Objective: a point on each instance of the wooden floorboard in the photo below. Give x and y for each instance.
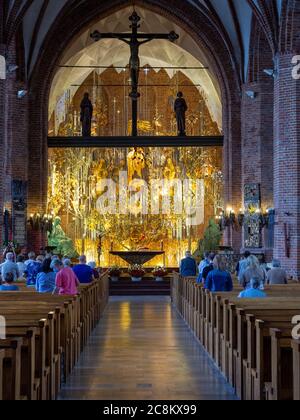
(143, 350)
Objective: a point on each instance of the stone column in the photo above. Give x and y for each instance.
(13, 143)
(232, 167)
(2, 141)
(287, 165)
(257, 142)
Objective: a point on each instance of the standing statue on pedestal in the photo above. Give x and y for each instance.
(180, 109)
(86, 115)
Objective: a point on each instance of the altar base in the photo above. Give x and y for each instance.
(147, 287)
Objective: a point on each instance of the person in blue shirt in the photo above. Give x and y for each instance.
(45, 281)
(83, 272)
(188, 266)
(206, 270)
(253, 292)
(8, 285)
(204, 263)
(31, 272)
(219, 280)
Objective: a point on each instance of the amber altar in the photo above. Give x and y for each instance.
(76, 188)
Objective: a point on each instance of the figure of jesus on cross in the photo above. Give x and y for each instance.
(134, 40)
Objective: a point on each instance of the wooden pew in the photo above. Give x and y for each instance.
(43, 332)
(2, 356)
(281, 385)
(11, 379)
(236, 332)
(259, 356)
(296, 369)
(241, 336)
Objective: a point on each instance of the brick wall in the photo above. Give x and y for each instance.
(287, 164)
(13, 138)
(2, 140)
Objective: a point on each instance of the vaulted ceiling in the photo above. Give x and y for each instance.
(232, 18)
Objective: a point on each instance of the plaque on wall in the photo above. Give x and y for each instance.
(19, 213)
(252, 195)
(252, 224)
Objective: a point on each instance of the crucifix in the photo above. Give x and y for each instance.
(134, 40)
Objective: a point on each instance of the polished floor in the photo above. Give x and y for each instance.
(142, 350)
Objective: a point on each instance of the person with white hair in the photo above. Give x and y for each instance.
(31, 258)
(277, 275)
(254, 270)
(93, 266)
(188, 266)
(253, 291)
(10, 266)
(67, 262)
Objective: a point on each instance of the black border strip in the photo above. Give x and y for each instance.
(102, 142)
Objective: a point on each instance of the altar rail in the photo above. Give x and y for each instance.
(250, 340)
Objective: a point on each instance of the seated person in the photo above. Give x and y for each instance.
(277, 275)
(33, 268)
(206, 270)
(253, 291)
(21, 265)
(8, 285)
(83, 272)
(188, 266)
(219, 280)
(9, 266)
(93, 266)
(253, 270)
(66, 281)
(45, 281)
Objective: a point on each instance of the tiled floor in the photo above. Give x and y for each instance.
(142, 350)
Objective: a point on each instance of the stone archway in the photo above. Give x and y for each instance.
(221, 63)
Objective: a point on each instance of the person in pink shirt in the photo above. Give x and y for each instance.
(66, 281)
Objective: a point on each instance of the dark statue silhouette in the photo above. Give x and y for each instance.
(86, 116)
(180, 108)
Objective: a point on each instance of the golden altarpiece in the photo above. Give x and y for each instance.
(76, 174)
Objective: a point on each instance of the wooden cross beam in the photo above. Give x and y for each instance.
(134, 40)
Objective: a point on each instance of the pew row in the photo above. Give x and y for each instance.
(250, 340)
(45, 335)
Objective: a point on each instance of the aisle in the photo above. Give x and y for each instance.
(142, 350)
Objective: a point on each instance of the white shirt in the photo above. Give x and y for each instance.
(203, 264)
(22, 267)
(28, 262)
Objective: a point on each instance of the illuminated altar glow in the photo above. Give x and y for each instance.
(75, 187)
(84, 52)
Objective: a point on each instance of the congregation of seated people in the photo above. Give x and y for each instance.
(46, 273)
(252, 274)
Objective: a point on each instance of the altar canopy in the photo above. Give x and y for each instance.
(133, 199)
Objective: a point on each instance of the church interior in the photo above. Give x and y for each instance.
(150, 192)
